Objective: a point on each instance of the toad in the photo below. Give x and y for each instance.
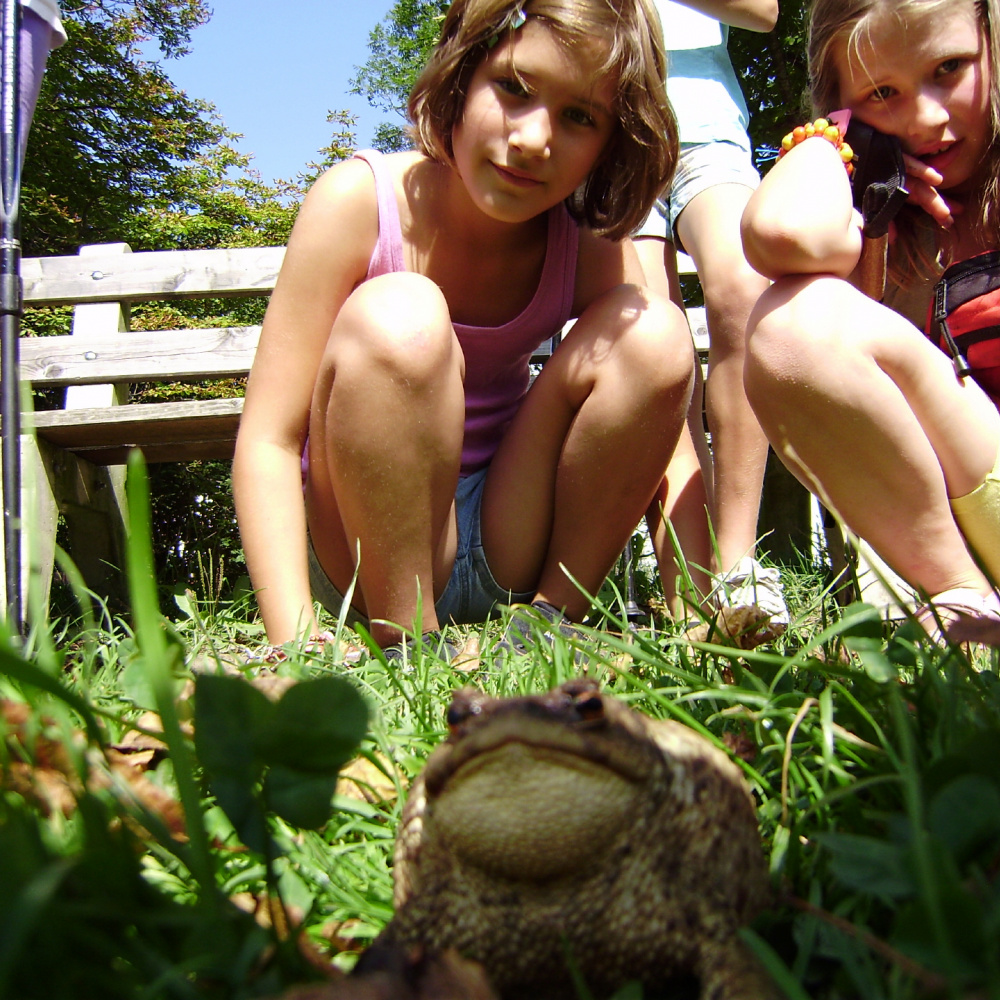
(566, 830)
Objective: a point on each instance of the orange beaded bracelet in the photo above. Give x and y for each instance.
(822, 128)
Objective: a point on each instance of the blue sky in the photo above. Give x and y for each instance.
(274, 75)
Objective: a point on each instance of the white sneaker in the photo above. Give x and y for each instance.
(748, 583)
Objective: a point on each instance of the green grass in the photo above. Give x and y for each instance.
(874, 758)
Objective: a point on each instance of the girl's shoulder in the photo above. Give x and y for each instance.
(352, 182)
(337, 223)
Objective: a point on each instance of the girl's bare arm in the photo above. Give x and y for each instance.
(755, 15)
(801, 219)
(327, 255)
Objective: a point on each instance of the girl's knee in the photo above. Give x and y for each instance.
(788, 330)
(399, 322)
(652, 336)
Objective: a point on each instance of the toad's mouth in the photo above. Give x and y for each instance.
(530, 811)
(602, 743)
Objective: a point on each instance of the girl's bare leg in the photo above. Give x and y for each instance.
(864, 409)
(683, 498)
(710, 229)
(585, 453)
(385, 446)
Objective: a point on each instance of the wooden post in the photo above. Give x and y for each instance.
(785, 516)
(91, 498)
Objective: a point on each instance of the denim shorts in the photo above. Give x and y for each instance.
(701, 165)
(471, 595)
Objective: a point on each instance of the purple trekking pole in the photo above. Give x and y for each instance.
(11, 308)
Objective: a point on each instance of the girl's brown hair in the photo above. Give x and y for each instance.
(835, 23)
(641, 154)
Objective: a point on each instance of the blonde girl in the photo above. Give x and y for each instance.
(859, 403)
(416, 287)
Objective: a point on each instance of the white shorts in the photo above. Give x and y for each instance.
(701, 165)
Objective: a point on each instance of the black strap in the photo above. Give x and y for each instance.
(879, 179)
(962, 369)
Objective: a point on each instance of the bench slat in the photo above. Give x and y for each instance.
(166, 432)
(160, 356)
(143, 277)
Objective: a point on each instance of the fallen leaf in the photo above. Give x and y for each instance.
(745, 627)
(466, 660)
(51, 791)
(340, 934)
(147, 793)
(273, 685)
(741, 745)
(362, 780)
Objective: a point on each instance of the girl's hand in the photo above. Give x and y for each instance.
(802, 220)
(922, 182)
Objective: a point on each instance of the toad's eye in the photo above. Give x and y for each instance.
(460, 710)
(589, 706)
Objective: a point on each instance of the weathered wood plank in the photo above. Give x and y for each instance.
(175, 431)
(142, 277)
(154, 356)
(220, 449)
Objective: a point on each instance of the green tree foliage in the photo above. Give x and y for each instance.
(399, 47)
(111, 133)
(772, 71)
(119, 154)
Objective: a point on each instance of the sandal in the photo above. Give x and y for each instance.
(532, 624)
(962, 615)
(432, 643)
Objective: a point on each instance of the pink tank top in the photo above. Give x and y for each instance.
(496, 357)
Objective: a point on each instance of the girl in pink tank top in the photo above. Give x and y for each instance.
(416, 287)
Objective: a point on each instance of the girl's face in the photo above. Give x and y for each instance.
(925, 80)
(537, 118)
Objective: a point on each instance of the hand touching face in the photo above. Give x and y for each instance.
(926, 81)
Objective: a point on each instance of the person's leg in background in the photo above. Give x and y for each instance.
(710, 191)
(683, 499)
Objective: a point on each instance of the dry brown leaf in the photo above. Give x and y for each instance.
(741, 745)
(273, 685)
(151, 723)
(51, 790)
(141, 749)
(39, 768)
(340, 934)
(744, 627)
(136, 742)
(362, 780)
(245, 901)
(466, 660)
(147, 793)
(15, 713)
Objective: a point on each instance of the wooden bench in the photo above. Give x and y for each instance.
(72, 457)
